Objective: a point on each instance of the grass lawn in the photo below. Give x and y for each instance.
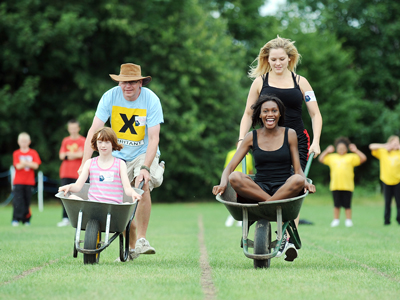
(334, 263)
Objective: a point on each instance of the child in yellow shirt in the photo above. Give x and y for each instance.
(342, 166)
(389, 161)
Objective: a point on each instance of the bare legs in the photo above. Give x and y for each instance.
(249, 190)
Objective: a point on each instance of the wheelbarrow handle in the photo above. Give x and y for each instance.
(310, 159)
(141, 184)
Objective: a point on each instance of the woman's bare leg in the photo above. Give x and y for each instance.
(247, 188)
(291, 188)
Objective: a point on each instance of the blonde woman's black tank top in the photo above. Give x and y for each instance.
(292, 98)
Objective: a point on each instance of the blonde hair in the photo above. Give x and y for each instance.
(24, 135)
(263, 66)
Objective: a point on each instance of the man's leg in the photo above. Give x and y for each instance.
(141, 222)
(143, 213)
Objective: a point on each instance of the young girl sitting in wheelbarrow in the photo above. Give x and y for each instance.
(108, 174)
(275, 154)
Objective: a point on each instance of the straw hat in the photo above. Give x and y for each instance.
(130, 72)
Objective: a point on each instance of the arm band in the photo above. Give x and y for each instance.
(309, 96)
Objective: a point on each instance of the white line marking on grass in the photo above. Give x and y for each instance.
(206, 278)
(28, 272)
(369, 268)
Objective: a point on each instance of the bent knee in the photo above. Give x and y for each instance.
(298, 181)
(235, 178)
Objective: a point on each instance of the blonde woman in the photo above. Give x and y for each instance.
(275, 75)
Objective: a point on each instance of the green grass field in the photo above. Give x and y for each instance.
(335, 263)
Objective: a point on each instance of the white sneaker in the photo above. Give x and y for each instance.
(15, 223)
(64, 222)
(132, 255)
(335, 222)
(291, 252)
(142, 246)
(229, 222)
(348, 223)
(284, 245)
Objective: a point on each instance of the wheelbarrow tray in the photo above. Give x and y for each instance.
(262, 210)
(120, 212)
(283, 212)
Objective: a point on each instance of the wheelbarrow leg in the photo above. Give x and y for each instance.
(123, 253)
(279, 223)
(77, 234)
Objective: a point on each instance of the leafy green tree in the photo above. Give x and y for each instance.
(57, 57)
(371, 29)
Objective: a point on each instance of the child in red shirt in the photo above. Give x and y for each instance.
(71, 153)
(25, 161)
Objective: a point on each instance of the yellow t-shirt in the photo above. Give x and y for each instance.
(389, 164)
(249, 162)
(342, 170)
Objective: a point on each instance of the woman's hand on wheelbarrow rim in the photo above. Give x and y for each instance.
(309, 187)
(218, 190)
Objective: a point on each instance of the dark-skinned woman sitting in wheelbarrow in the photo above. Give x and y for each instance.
(276, 157)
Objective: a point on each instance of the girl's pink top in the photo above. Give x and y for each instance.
(105, 184)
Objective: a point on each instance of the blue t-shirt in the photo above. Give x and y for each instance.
(131, 119)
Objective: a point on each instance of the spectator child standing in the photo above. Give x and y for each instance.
(71, 153)
(389, 161)
(342, 166)
(25, 161)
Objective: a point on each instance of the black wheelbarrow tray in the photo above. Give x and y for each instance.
(283, 212)
(97, 217)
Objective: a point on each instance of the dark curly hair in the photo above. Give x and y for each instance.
(106, 134)
(342, 140)
(257, 109)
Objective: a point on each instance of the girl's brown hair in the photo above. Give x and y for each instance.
(106, 134)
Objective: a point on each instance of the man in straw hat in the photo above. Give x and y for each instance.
(135, 115)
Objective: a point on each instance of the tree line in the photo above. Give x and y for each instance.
(56, 57)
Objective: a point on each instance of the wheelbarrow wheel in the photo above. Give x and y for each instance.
(262, 241)
(92, 241)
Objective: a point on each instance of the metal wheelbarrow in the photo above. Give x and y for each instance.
(283, 212)
(95, 217)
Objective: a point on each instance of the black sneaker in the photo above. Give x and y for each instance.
(284, 245)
